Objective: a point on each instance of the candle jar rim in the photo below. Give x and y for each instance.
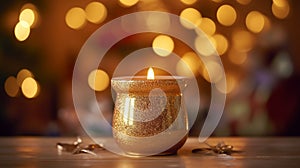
(158, 77)
(170, 84)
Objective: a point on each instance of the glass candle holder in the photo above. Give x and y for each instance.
(149, 115)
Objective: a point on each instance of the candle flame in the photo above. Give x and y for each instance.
(150, 74)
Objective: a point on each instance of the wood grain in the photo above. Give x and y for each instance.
(254, 152)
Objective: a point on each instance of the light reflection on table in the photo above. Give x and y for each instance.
(263, 152)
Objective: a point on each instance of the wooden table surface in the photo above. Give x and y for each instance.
(256, 152)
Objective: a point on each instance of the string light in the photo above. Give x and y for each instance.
(221, 43)
(163, 45)
(75, 18)
(280, 3)
(188, 65)
(29, 13)
(22, 30)
(212, 72)
(30, 87)
(23, 74)
(98, 80)
(190, 18)
(226, 15)
(243, 2)
(25, 80)
(230, 84)
(158, 22)
(27, 19)
(206, 25)
(96, 12)
(237, 57)
(28, 16)
(255, 21)
(128, 3)
(217, 1)
(204, 46)
(188, 2)
(280, 8)
(11, 86)
(242, 40)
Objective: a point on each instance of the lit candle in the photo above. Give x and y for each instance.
(150, 74)
(149, 116)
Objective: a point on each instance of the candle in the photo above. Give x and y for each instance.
(150, 74)
(149, 115)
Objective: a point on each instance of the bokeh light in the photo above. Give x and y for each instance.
(163, 45)
(75, 18)
(280, 8)
(22, 30)
(282, 65)
(29, 13)
(30, 87)
(207, 25)
(28, 16)
(96, 12)
(245, 33)
(255, 21)
(243, 2)
(128, 3)
(157, 22)
(23, 74)
(237, 57)
(204, 46)
(212, 72)
(280, 3)
(221, 43)
(11, 86)
(217, 1)
(231, 82)
(189, 65)
(226, 15)
(190, 18)
(242, 40)
(267, 24)
(98, 80)
(188, 2)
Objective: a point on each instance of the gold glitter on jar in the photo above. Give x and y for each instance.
(149, 116)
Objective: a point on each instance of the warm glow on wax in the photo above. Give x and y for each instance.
(150, 74)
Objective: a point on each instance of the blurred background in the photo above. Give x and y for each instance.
(258, 42)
